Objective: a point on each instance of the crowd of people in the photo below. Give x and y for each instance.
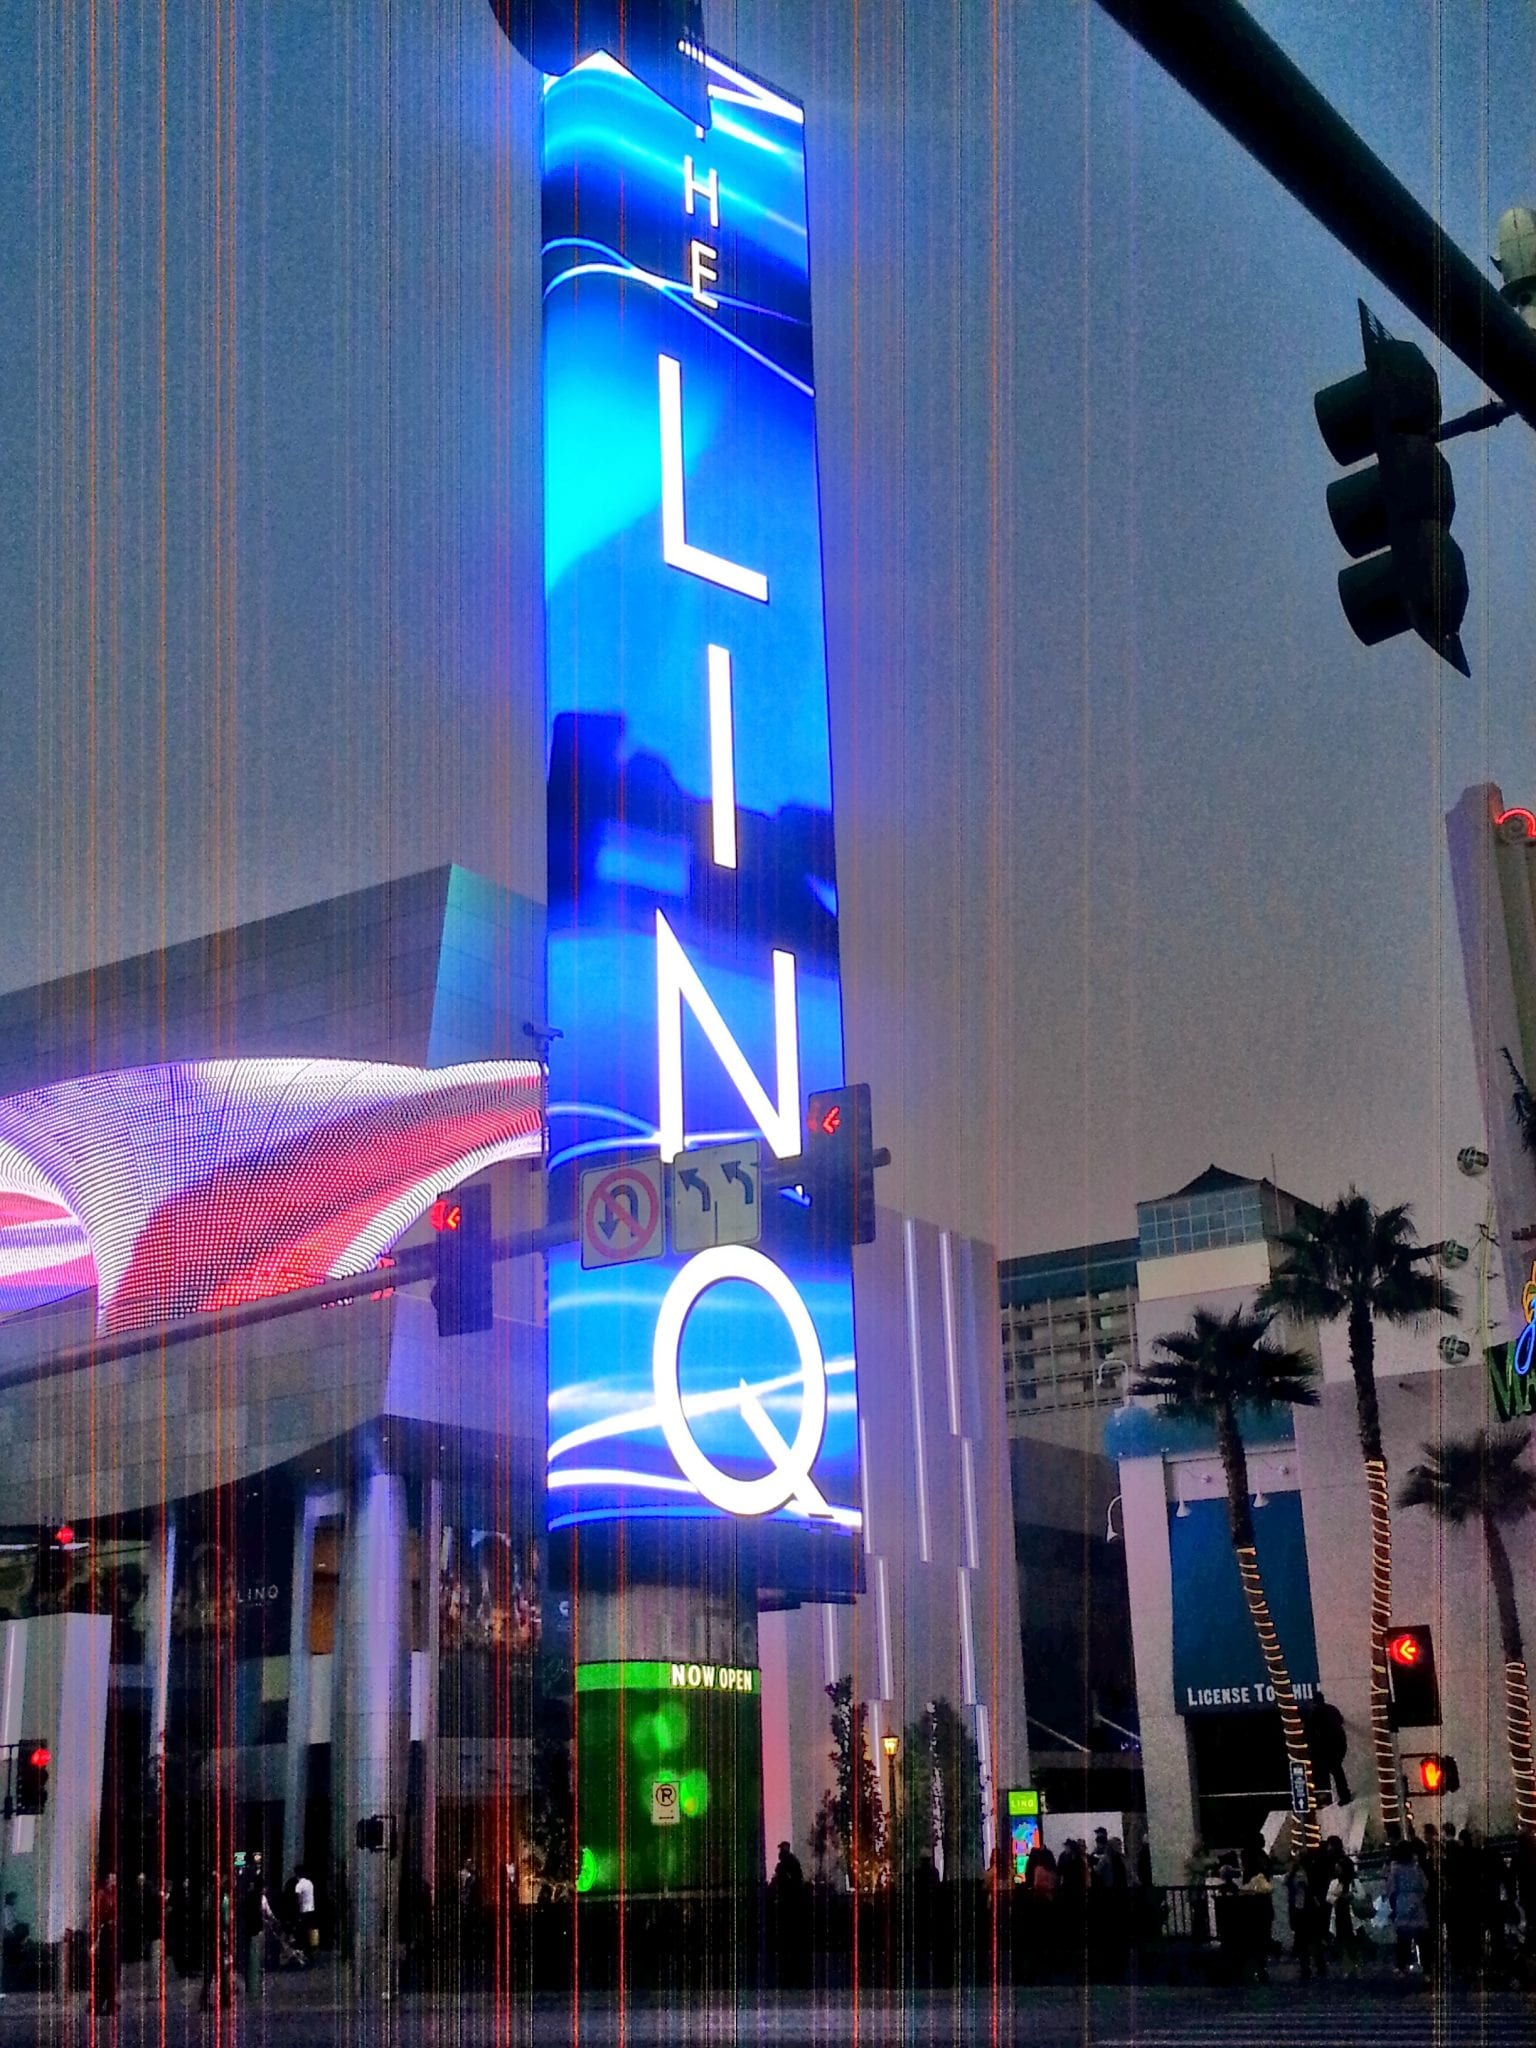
(223, 1930)
(1446, 1905)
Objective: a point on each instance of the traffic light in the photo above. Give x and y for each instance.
(32, 1761)
(1438, 1775)
(1412, 1683)
(376, 1833)
(462, 1293)
(838, 1165)
(1395, 513)
(51, 1572)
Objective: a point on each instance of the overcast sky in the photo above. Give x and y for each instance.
(1143, 856)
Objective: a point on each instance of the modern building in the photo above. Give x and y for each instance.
(1214, 1764)
(271, 1585)
(1069, 1337)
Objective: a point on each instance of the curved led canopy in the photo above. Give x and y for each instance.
(181, 1188)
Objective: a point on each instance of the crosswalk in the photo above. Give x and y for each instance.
(1416, 2019)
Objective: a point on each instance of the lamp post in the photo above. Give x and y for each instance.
(890, 1744)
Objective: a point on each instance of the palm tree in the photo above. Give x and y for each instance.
(1522, 1102)
(1484, 1479)
(1208, 1371)
(1362, 1264)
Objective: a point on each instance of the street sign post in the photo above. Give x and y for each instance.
(1299, 1800)
(717, 1196)
(623, 1213)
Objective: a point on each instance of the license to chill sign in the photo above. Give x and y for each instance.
(693, 944)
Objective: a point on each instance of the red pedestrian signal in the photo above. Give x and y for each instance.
(32, 1761)
(1438, 1775)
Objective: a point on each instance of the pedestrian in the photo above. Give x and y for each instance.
(1259, 1903)
(1460, 1894)
(1523, 1879)
(1407, 1896)
(104, 1952)
(1308, 1912)
(789, 1912)
(304, 1909)
(1328, 1741)
(250, 1898)
(218, 1946)
(1340, 1909)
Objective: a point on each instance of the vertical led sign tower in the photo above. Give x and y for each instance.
(693, 942)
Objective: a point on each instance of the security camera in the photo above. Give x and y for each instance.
(1515, 260)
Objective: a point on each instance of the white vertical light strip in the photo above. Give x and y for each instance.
(947, 1288)
(967, 1640)
(865, 1515)
(883, 1625)
(677, 551)
(968, 1490)
(722, 757)
(988, 1792)
(915, 1362)
(829, 1659)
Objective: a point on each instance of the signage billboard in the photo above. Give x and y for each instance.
(693, 909)
(1217, 1664)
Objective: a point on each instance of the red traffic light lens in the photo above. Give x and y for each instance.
(1406, 1648)
(63, 1534)
(446, 1215)
(832, 1122)
(1431, 1773)
(40, 1758)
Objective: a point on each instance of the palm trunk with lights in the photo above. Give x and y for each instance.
(1362, 1360)
(1234, 1465)
(1517, 1689)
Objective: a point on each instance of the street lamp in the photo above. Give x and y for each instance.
(890, 1744)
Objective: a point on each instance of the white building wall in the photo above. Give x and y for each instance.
(939, 1613)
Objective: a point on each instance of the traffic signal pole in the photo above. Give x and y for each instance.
(1223, 59)
(408, 1267)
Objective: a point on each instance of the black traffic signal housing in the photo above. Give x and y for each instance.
(1413, 1685)
(32, 1760)
(556, 35)
(51, 1572)
(376, 1834)
(1438, 1775)
(1395, 513)
(462, 1292)
(838, 1164)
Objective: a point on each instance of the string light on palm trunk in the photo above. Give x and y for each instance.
(1388, 1787)
(1517, 1707)
(1308, 1832)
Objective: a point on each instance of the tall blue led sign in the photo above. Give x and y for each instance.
(693, 941)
